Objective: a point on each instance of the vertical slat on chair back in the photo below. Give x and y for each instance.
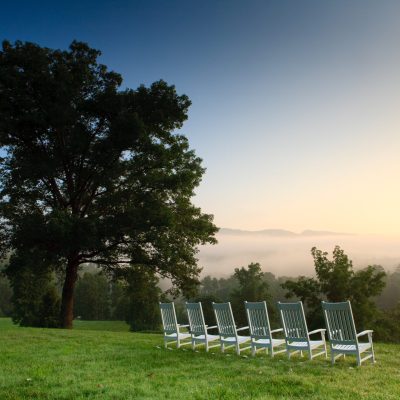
(257, 316)
(339, 322)
(196, 318)
(225, 321)
(293, 321)
(168, 317)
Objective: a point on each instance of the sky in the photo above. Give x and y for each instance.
(295, 104)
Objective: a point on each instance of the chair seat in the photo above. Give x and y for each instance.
(210, 338)
(267, 342)
(232, 339)
(304, 345)
(174, 336)
(351, 348)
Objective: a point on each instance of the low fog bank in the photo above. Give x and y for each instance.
(291, 255)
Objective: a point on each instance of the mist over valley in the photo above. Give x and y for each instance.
(285, 253)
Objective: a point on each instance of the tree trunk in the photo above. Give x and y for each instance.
(67, 301)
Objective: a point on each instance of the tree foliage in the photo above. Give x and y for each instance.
(5, 297)
(143, 296)
(35, 296)
(92, 297)
(251, 287)
(390, 296)
(337, 281)
(93, 173)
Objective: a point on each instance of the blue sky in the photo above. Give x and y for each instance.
(295, 103)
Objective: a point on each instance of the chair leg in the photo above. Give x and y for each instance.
(206, 344)
(253, 350)
(332, 357)
(193, 345)
(372, 352)
(359, 360)
(238, 349)
(222, 347)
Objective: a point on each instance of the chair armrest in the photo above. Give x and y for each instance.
(277, 330)
(242, 329)
(212, 327)
(317, 330)
(364, 333)
(182, 326)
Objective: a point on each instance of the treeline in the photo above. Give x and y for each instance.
(374, 294)
(133, 298)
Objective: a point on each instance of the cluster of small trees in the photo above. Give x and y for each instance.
(134, 300)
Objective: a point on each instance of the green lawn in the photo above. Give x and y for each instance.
(87, 363)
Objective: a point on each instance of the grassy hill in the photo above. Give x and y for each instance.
(102, 360)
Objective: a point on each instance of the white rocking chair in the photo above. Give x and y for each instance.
(297, 336)
(343, 337)
(260, 330)
(228, 333)
(198, 328)
(171, 327)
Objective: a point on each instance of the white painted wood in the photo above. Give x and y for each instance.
(198, 328)
(260, 330)
(228, 333)
(297, 336)
(172, 330)
(343, 337)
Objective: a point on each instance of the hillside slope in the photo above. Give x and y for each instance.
(81, 364)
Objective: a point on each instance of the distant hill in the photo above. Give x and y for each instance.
(265, 232)
(309, 232)
(278, 233)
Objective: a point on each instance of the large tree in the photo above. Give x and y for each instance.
(93, 173)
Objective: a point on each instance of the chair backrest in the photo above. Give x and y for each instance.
(339, 322)
(225, 321)
(257, 316)
(293, 321)
(168, 317)
(196, 319)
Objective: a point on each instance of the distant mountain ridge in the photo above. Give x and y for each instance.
(280, 233)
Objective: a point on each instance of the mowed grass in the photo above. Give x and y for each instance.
(110, 326)
(86, 363)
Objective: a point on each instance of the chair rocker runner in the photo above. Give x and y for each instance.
(198, 328)
(260, 329)
(343, 337)
(228, 333)
(297, 336)
(171, 327)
